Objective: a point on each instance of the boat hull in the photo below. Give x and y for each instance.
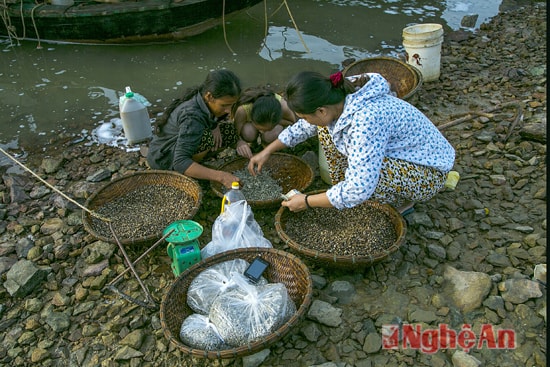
(119, 22)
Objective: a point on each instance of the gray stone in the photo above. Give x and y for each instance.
(419, 315)
(373, 343)
(311, 331)
(325, 313)
(462, 359)
(99, 175)
(6, 263)
(494, 303)
(319, 282)
(51, 164)
(437, 252)
(23, 247)
(343, 290)
(467, 289)
(23, 277)
(519, 290)
(419, 219)
(256, 359)
(126, 353)
(58, 321)
(498, 260)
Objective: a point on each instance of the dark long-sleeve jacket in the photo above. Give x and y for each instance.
(179, 139)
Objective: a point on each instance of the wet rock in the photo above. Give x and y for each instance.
(519, 290)
(467, 289)
(373, 343)
(6, 263)
(342, 290)
(51, 164)
(535, 132)
(256, 359)
(539, 273)
(469, 21)
(23, 277)
(325, 313)
(99, 175)
(462, 359)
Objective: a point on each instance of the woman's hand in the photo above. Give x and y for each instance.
(227, 179)
(216, 133)
(296, 203)
(256, 162)
(243, 149)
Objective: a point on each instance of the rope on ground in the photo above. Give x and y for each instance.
(518, 116)
(92, 213)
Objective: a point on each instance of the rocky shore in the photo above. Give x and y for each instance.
(474, 260)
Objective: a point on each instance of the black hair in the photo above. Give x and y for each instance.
(266, 108)
(309, 90)
(219, 83)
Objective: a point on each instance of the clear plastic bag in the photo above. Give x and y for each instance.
(235, 228)
(246, 313)
(211, 282)
(198, 332)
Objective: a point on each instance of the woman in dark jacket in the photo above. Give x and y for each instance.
(190, 128)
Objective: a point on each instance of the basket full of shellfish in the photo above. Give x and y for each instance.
(348, 238)
(137, 207)
(282, 172)
(210, 312)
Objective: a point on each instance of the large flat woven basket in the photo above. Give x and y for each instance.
(404, 79)
(184, 206)
(343, 261)
(290, 172)
(284, 268)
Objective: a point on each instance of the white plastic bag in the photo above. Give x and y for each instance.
(235, 228)
(211, 282)
(246, 313)
(198, 332)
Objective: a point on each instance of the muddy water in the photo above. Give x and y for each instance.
(48, 88)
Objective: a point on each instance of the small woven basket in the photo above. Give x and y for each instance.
(283, 268)
(129, 183)
(404, 79)
(290, 172)
(343, 261)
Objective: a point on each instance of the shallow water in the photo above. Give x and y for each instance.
(49, 88)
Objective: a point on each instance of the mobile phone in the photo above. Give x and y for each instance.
(255, 270)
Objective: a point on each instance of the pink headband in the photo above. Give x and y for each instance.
(337, 79)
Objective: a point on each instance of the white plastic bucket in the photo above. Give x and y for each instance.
(422, 44)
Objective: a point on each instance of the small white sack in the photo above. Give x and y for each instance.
(246, 313)
(198, 332)
(211, 282)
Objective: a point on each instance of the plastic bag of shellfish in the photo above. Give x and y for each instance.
(248, 312)
(198, 332)
(213, 281)
(235, 228)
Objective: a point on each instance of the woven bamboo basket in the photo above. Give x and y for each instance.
(404, 79)
(129, 183)
(284, 268)
(290, 172)
(343, 261)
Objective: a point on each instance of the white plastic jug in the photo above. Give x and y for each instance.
(135, 119)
